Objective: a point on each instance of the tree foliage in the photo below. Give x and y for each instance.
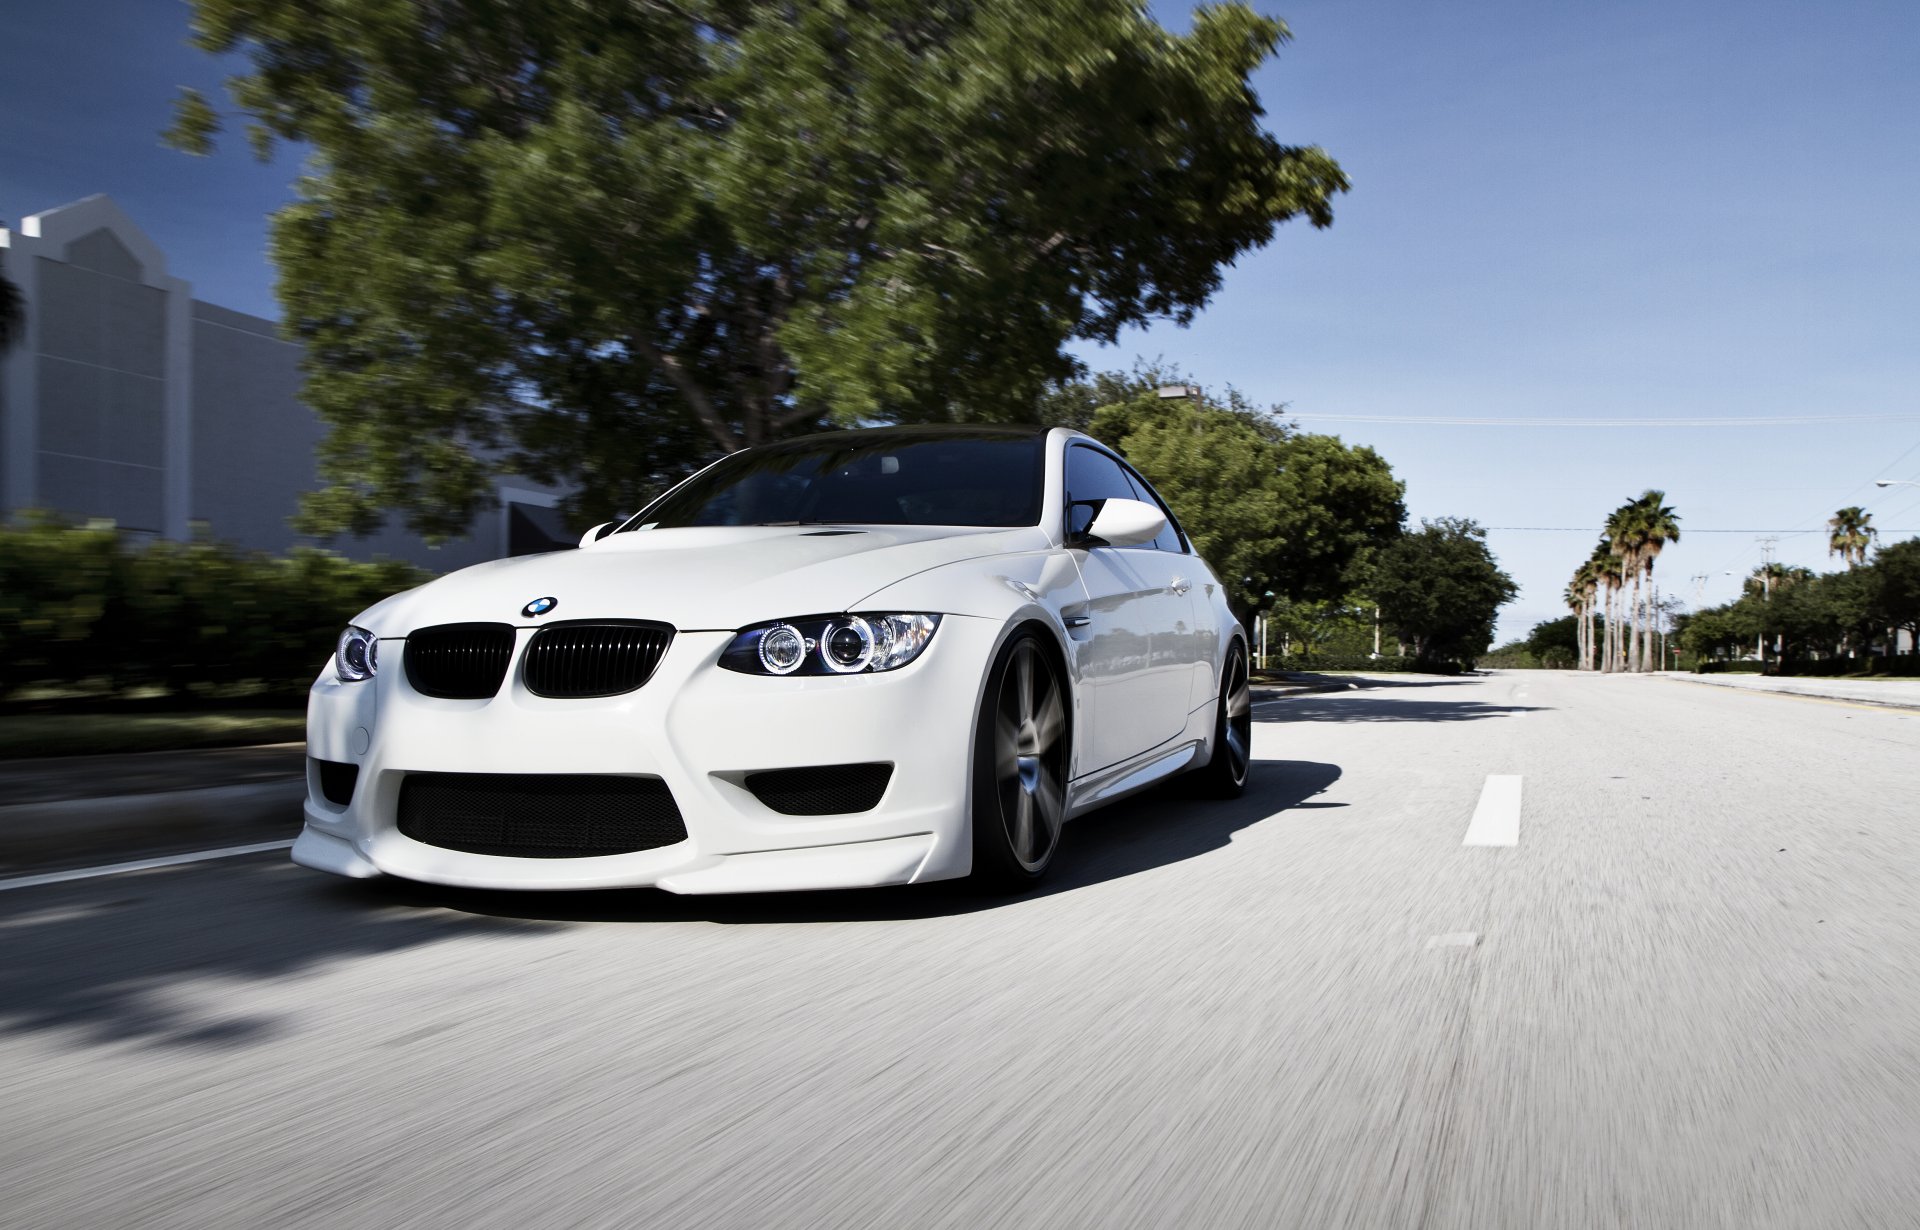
(13, 311)
(593, 242)
(1273, 510)
(1555, 644)
(1440, 589)
(1815, 616)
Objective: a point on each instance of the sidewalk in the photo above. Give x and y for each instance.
(80, 809)
(1893, 693)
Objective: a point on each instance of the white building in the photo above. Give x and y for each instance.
(131, 400)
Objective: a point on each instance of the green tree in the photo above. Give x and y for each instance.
(1271, 509)
(1439, 589)
(1320, 628)
(1555, 644)
(1722, 631)
(1896, 590)
(592, 242)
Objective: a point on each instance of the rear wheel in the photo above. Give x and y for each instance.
(1019, 767)
(1225, 776)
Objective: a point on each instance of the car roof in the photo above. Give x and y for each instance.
(868, 436)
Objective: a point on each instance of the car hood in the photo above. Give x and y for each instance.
(720, 577)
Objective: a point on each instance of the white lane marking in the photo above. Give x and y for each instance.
(1454, 939)
(1496, 820)
(145, 864)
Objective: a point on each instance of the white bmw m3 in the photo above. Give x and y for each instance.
(862, 658)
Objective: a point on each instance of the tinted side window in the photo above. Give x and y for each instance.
(1169, 539)
(1092, 475)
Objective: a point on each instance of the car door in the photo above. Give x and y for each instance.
(1133, 660)
(1195, 649)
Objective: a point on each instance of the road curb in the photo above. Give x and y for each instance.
(35, 834)
(1268, 692)
(1910, 705)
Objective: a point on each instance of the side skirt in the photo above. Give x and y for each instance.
(1112, 784)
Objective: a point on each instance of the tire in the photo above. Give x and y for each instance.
(1225, 776)
(1020, 764)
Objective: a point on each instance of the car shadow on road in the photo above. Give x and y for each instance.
(1360, 707)
(106, 962)
(1151, 830)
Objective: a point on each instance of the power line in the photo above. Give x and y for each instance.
(1581, 529)
(1792, 420)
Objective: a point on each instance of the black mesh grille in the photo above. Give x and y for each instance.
(825, 790)
(459, 661)
(539, 815)
(583, 658)
(337, 780)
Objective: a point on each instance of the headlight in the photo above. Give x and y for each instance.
(357, 656)
(830, 644)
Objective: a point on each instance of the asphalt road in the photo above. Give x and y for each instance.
(1687, 996)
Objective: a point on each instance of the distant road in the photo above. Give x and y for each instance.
(1533, 950)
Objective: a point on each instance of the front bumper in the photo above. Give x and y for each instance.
(701, 730)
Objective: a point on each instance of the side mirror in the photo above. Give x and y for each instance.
(1124, 523)
(597, 533)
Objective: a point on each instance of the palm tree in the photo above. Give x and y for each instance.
(1577, 603)
(1850, 533)
(1626, 528)
(1585, 588)
(1607, 573)
(1659, 525)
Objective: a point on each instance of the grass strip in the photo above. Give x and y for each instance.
(86, 734)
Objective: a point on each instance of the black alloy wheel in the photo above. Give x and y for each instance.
(1225, 776)
(1020, 767)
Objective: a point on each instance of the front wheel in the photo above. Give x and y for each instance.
(1225, 776)
(1019, 768)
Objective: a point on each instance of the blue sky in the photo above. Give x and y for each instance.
(1682, 210)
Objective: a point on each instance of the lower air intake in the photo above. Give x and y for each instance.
(539, 815)
(824, 790)
(337, 780)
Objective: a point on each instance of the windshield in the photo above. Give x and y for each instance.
(865, 478)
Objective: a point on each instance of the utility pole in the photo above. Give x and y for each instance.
(1767, 545)
(1657, 620)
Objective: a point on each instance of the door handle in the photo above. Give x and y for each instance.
(1180, 585)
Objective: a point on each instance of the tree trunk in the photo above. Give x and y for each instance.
(1636, 656)
(1606, 630)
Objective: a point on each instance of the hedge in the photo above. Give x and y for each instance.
(1359, 662)
(90, 608)
(1905, 666)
